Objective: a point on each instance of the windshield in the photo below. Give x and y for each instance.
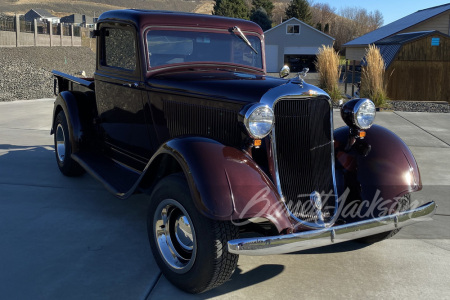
(167, 47)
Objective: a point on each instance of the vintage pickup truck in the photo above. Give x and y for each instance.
(235, 162)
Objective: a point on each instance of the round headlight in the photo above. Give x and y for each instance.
(358, 113)
(259, 121)
(364, 114)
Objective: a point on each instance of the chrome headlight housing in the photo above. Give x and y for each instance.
(359, 113)
(259, 121)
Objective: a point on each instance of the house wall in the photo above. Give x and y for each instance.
(422, 50)
(277, 38)
(421, 72)
(355, 53)
(31, 15)
(440, 23)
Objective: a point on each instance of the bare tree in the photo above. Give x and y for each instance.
(376, 20)
(323, 15)
(278, 12)
(355, 22)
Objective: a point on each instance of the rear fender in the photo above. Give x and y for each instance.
(388, 172)
(225, 183)
(79, 109)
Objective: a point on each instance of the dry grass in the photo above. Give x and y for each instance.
(372, 78)
(327, 65)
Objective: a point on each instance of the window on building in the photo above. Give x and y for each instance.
(293, 29)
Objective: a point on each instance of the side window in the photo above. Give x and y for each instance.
(119, 49)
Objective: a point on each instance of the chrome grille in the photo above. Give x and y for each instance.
(304, 154)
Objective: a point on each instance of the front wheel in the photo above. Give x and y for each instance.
(190, 249)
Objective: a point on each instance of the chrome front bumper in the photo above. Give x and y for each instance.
(327, 236)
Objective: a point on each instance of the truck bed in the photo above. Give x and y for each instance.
(66, 82)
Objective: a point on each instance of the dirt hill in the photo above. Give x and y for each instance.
(95, 8)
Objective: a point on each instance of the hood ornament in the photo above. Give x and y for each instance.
(301, 75)
(316, 202)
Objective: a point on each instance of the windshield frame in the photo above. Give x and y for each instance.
(202, 64)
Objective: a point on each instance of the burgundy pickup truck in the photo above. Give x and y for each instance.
(235, 162)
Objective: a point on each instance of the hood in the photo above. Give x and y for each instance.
(224, 85)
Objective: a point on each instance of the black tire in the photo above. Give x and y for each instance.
(63, 148)
(200, 259)
(403, 205)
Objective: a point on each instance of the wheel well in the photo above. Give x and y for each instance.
(57, 110)
(162, 166)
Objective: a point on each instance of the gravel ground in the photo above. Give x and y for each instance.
(25, 73)
(421, 106)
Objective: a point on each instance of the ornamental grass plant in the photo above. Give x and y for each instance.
(373, 84)
(327, 66)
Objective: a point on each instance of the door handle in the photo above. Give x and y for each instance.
(131, 85)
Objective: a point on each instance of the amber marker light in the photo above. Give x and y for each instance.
(362, 134)
(257, 143)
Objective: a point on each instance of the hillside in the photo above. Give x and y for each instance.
(91, 8)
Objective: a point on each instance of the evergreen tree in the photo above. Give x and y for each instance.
(260, 17)
(299, 9)
(267, 5)
(231, 8)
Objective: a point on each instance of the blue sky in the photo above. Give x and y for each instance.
(392, 10)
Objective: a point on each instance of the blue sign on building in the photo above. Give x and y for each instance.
(434, 41)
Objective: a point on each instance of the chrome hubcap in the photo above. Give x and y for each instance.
(60, 143)
(183, 233)
(175, 235)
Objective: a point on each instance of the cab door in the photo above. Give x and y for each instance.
(120, 93)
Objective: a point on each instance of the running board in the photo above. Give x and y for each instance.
(117, 179)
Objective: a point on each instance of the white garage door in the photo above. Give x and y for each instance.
(301, 50)
(272, 58)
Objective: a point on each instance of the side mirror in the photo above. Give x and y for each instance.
(285, 71)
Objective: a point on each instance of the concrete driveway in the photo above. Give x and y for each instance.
(67, 238)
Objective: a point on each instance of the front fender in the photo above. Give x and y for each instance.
(226, 184)
(389, 170)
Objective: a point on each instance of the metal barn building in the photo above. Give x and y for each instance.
(433, 18)
(417, 65)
